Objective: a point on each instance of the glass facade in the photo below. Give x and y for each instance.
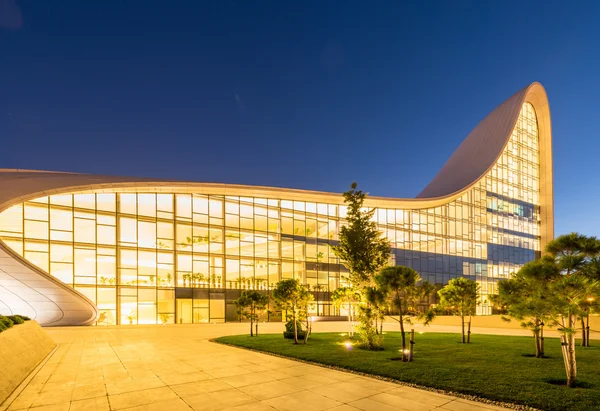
(147, 258)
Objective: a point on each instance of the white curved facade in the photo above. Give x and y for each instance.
(76, 248)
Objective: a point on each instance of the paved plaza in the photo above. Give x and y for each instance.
(176, 367)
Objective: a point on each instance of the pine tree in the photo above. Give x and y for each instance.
(364, 251)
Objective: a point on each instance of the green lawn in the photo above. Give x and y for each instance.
(495, 367)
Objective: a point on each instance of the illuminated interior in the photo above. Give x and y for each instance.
(160, 257)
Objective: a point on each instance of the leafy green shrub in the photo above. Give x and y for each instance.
(289, 330)
(6, 322)
(10, 320)
(16, 319)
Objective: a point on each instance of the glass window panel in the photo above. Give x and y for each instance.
(106, 202)
(62, 271)
(183, 234)
(184, 262)
(232, 208)
(216, 208)
(146, 234)
(85, 201)
(146, 262)
(85, 262)
(260, 223)
(107, 268)
(61, 219)
(106, 219)
(127, 230)
(184, 205)
(38, 258)
(164, 202)
(11, 220)
(128, 203)
(36, 229)
(64, 200)
(147, 205)
(107, 235)
(60, 253)
(246, 211)
(36, 212)
(85, 231)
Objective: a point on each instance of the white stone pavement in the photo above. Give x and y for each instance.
(176, 367)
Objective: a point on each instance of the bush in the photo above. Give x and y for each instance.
(10, 320)
(6, 322)
(290, 335)
(289, 330)
(16, 319)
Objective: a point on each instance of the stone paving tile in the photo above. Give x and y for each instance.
(91, 404)
(199, 387)
(303, 400)
(136, 398)
(401, 402)
(219, 400)
(345, 391)
(423, 396)
(83, 392)
(269, 390)
(169, 405)
(176, 368)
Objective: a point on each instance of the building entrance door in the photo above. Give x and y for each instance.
(184, 311)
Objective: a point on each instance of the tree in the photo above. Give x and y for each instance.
(377, 300)
(364, 251)
(290, 295)
(573, 254)
(526, 297)
(404, 289)
(348, 297)
(460, 296)
(249, 305)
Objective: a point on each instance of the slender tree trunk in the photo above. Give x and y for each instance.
(251, 322)
(462, 321)
(381, 326)
(469, 330)
(412, 344)
(542, 340)
(583, 333)
(350, 331)
(568, 346)
(587, 329)
(538, 349)
(307, 332)
(404, 358)
(295, 325)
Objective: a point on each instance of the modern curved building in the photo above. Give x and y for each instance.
(79, 249)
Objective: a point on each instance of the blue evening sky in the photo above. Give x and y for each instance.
(302, 94)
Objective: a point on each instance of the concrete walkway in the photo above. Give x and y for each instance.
(176, 368)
